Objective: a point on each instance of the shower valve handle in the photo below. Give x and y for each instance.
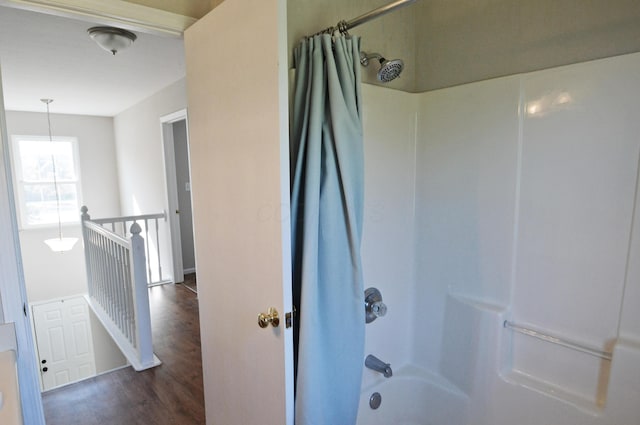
(373, 305)
(379, 309)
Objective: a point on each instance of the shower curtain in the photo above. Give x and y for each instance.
(327, 206)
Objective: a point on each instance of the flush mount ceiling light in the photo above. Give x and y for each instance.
(112, 39)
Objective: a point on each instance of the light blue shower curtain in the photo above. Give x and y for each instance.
(327, 205)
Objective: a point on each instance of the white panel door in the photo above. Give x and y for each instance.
(65, 346)
(237, 89)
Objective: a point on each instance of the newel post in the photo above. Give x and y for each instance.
(141, 297)
(84, 217)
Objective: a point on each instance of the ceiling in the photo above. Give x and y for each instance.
(46, 56)
(444, 43)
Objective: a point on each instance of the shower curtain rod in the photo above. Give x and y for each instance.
(344, 26)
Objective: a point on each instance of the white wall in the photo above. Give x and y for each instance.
(465, 193)
(526, 191)
(106, 353)
(527, 209)
(578, 180)
(138, 139)
(387, 245)
(630, 318)
(49, 275)
(140, 159)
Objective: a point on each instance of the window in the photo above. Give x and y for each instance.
(35, 189)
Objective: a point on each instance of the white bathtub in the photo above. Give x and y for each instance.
(478, 383)
(413, 397)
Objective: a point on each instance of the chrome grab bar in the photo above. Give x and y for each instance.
(606, 355)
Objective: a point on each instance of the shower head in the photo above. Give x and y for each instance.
(389, 69)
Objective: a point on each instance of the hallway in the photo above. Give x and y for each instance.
(169, 394)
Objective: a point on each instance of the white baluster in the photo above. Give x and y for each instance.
(158, 247)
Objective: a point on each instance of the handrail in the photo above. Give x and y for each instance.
(606, 355)
(151, 233)
(106, 232)
(122, 219)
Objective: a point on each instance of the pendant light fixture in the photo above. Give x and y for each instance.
(59, 244)
(112, 39)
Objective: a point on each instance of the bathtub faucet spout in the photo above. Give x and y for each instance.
(374, 363)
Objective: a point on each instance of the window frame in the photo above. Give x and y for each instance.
(19, 183)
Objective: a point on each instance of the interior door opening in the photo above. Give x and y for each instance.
(178, 177)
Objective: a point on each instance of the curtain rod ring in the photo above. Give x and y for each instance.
(343, 27)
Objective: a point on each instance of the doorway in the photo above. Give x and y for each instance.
(178, 177)
(37, 264)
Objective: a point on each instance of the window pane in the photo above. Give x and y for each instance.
(41, 206)
(36, 155)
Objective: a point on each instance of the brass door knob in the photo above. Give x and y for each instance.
(271, 316)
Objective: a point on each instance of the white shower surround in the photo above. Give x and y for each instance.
(512, 198)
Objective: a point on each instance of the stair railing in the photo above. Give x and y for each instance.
(150, 224)
(118, 288)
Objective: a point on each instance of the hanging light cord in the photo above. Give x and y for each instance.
(53, 166)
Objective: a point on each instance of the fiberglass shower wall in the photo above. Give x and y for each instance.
(510, 198)
(389, 118)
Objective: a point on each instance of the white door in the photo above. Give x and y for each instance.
(64, 342)
(237, 89)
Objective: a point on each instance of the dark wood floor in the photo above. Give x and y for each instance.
(190, 282)
(171, 393)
